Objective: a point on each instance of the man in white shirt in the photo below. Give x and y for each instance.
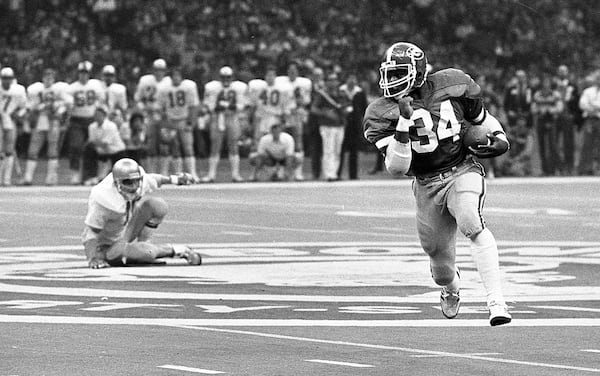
(104, 147)
(122, 216)
(275, 149)
(589, 102)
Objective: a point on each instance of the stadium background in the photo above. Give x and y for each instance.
(488, 39)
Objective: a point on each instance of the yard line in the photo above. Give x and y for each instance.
(592, 350)
(396, 348)
(190, 369)
(347, 364)
(567, 308)
(440, 356)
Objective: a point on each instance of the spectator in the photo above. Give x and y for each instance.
(546, 106)
(517, 98)
(314, 144)
(133, 134)
(275, 149)
(519, 161)
(567, 119)
(103, 149)
(329, 115)
(590, 105)
(356, 103)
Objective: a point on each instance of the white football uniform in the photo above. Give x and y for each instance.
(12, 101)
(49, 102)
(146, 92)
(272, 104)
(177, 102)
(86, 97)
(116, 97)
(302, 88)
(109, 212)
(226, 102)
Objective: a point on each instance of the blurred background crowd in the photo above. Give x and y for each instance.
(534, 59)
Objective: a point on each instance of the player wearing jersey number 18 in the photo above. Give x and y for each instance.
(418, 125)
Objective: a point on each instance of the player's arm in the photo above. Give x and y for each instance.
(182, 178)
(477, 114)
(195, 104)
(398, 156)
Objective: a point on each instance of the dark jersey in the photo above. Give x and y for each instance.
(441, 106)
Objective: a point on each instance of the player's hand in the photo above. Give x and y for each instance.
(183, 178)
(495, 147)
(405, 107)
(96, 263)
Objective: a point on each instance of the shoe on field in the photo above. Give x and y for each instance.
(499, 314)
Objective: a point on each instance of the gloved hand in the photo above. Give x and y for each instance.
(183, 178)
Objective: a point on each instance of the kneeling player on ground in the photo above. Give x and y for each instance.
(122, 214)
(275, 149)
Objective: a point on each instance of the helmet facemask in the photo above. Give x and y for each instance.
(396, 79)
(129, 188)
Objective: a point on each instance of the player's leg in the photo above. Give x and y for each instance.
(186, 141)
(465, 202)
(147, 214)
(338, 142)
(9, 156)
(437, 233)
(152, 144)
(234, 132)
(257, 162)
(52, 151)
(35, 145)
(296, 131)
(217, 133)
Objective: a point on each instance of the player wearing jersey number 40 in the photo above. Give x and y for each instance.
(418, 124)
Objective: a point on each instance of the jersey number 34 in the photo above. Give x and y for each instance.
(427, 129)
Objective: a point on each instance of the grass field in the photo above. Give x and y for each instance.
(301, 279)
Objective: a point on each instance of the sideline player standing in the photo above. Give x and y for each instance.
(13, 107)
(122, 214)
(179, 102)
(115, 95)
(48, 102)
(225, 99)
(146, 101)
(298, 117)
(418, 126)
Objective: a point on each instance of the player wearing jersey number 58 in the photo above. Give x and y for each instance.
(418, 124)
(122, 212)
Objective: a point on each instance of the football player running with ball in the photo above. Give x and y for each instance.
(122, 214)
(418, 125)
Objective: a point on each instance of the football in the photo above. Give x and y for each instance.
(476, 135)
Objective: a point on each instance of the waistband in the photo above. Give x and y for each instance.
(446, 173)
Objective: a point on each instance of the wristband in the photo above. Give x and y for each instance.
(401, 134)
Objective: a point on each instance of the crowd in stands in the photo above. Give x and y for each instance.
(513, 49)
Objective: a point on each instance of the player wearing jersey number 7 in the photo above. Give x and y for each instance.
(418, 126)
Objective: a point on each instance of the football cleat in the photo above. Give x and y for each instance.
(185, 252)
(207, 179)
(450, 303)
(499, 314)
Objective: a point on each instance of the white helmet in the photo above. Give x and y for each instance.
(127, 176)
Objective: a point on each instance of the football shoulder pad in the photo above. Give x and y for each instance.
(453, 83)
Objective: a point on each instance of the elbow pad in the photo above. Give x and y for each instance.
(398, 158)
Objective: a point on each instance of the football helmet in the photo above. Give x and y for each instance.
(404, 68)
(127, 176)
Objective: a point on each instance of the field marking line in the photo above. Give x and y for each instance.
(190, 369)
(395, 348)
(298, 323)
(404, 182)
(591, 350)
(336, 363)
(567, 308)
(506, 244)
(441, 356)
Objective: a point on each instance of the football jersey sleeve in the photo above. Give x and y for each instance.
(379, 122)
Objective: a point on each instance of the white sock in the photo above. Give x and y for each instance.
(30, 166)
(485, 254)
(213, 163)
(234, 160)
(453, 286)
